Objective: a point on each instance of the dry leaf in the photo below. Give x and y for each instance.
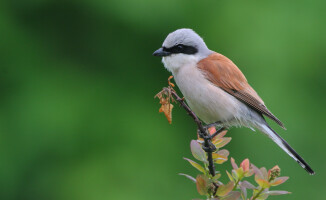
(165, 100)
(170, 84)
(167, 110)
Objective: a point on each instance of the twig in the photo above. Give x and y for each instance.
(203, 133)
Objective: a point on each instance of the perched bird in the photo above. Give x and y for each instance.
(215, 88)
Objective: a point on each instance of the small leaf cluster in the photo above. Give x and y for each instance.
(237, 186)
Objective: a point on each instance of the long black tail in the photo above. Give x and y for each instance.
(287, 148)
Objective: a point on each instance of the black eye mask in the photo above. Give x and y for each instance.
(180, 48)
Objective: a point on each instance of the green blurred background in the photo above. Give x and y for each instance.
(77, 81)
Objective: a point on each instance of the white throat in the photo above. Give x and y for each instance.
(176, 61)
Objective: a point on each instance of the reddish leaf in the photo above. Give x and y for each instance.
(234, 195)
(234, 165)
(250, 172)
(243, 191)
(220, 135)
(247, 185)
(277, 192)
(245, 165)
(223, 190)
(279, 180)
(258, 173)
(224, 152)
(264, 172)
(202, 184)
(212, 130)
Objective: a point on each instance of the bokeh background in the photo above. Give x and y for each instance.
(77, 79)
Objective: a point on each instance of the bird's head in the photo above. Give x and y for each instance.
(182, 47)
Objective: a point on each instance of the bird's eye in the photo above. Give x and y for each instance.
(180, 46)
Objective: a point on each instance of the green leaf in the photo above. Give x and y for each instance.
(235, 175)
(202, 183)
(263, 183)
(230, 176)
(223, 190)
(189, 177)
(222, 142)
(196, 165)
(216, 177)
(262, 196)
(197, 151)
(240, 173)
(219, 159)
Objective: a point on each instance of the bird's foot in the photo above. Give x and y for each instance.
(208, 135)
(210, 147)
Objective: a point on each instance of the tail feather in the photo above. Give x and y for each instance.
(287, 148)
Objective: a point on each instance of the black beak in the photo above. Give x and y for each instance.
(161, 53)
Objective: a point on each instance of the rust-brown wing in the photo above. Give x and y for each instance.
(223, 73)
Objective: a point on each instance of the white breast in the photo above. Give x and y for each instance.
(209, 102)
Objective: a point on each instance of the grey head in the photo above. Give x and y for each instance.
(184, 41)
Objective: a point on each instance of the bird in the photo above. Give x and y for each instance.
(215, 88)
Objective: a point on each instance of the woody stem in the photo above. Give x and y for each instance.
(203, 133)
